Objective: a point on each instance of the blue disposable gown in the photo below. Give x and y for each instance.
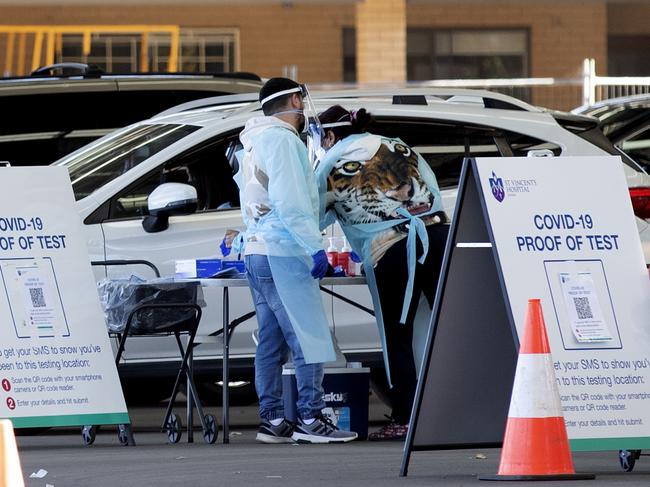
(288, 225)
(361, 148)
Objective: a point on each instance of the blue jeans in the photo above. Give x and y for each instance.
(276, 340)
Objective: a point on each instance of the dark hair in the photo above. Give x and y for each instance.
(272, 86)
(360, 119)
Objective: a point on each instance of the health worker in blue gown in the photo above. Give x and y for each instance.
(285, 259)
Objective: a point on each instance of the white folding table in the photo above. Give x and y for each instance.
(228, 326)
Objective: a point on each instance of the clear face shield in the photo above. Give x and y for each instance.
(312, 127)
(314, 130)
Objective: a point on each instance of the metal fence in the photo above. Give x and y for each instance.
(597, 88)
(556, 93)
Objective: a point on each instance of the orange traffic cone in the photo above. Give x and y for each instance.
(535, 445)
(11, 475)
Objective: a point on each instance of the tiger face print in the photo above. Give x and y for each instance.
(372, 191)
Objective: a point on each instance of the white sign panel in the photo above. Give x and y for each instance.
(565, 233)
(56, 362)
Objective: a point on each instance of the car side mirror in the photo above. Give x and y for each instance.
(167, 200)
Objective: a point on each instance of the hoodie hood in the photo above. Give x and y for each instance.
(363, 147)
(257, 125)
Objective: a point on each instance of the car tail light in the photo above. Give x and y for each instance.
(641, 202)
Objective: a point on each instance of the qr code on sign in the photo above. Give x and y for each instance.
(582, 308)
(38, 298)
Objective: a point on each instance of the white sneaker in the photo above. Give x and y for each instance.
(268, 433)
(322, 430)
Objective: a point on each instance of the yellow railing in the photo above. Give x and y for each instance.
(18, 35)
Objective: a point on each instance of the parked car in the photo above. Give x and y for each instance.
(63, 107)
(626, 123)
(113, 177)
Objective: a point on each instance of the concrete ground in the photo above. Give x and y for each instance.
(247, 463)
(154, 462)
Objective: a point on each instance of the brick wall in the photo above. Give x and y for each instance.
(629, 19)
(271, 36)
(562, 32)
(561, 35)
(381, 40)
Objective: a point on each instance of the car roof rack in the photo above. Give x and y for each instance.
(68, 69)
(401, 96)
(243, 75)
(414, 95)
(409, 100)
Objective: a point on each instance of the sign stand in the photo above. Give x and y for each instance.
(519, 232)
(463, 393)
(56, 360)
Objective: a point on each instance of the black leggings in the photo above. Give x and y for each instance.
(391, 274)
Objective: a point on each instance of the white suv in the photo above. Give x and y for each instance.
(113, 177)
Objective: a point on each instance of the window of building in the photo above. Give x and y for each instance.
(628, 55)
(200, 50)
(349, 54)
(466, 53)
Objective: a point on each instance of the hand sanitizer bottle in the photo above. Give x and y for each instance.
(344, 257)
(332, 253)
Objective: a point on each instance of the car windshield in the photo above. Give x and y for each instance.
(110, 159)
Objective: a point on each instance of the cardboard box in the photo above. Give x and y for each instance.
(237, 264)
(197, 268)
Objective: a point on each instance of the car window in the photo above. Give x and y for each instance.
(638, 148)
(445, 145)
(595, 136)
(106, 161)
(42, 128)
(132, 202)
(61, 110)
(445, 155)
(617, 122)
(40, 148)
(521, 144)
(206, 167)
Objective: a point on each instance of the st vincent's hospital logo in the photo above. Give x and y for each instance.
(496, 185)
(511, 187)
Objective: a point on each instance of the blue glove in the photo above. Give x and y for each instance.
(355, 257)
(225, 250)
(319, 268)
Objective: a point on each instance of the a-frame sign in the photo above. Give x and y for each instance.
(520, 231)
(470, 355)
(56, 366)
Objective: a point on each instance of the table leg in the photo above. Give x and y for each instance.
(226, 375)
(190, 398)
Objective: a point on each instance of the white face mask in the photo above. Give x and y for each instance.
(283, 112)
(298, 112)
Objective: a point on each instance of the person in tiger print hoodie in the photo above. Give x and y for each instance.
(386, 198)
